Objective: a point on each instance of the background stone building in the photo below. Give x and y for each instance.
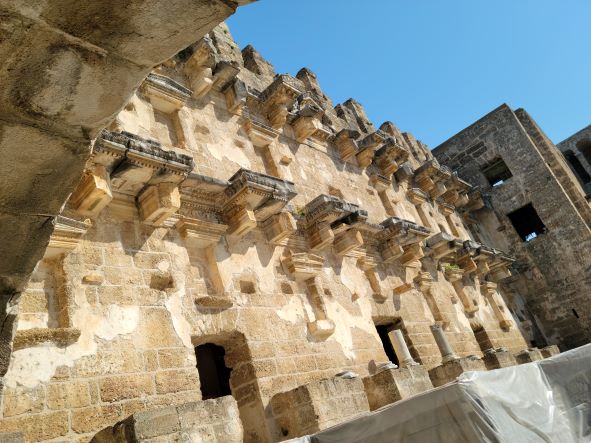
(537, 210)
(237, 234)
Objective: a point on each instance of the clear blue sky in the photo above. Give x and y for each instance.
(435, 66)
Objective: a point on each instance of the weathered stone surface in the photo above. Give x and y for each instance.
(319, 405)
(390, 385)
(203, 421)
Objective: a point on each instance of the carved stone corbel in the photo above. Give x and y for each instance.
(346, 144)
(279, 97)
(367, 147)
(93, 193)
(156, 203)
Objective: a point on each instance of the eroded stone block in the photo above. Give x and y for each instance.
(390, 385)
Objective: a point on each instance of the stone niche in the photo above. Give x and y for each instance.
(391, 385)
(210, 420)
(316, 406)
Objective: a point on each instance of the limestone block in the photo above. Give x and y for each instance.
(303, 265)
(214, 301)
(317, 405)
(126, 386)
(26, 338)
(158, 202)
(499, 358)
(390, 385)
(528, 355)
(347, 241)
(22, 400)
(37, 427)
(93, 192)
(201, 421)
(451, 370)
(391, 251)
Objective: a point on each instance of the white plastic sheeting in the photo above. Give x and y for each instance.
(544, 401)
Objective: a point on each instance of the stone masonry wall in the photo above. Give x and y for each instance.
(554, 278)
(172, 256)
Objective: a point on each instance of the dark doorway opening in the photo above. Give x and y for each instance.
(213, 373)
(383, 331)
(527, 223)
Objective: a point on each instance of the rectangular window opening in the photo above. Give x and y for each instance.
(527, 223)
(497, 172)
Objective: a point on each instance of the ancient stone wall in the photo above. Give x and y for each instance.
(516, 165)
(231, 207)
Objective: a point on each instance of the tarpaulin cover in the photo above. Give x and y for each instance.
(544, 401)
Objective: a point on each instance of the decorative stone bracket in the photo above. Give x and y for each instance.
(279, 97)
(402, 239)
(130, 167)
(457, 191)
(165, 94)
(367, 147)
(253, 198)
(431, 178)
(329, 219)
(308, 121)
(443, 247)
(390, 156)
(346, 144)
